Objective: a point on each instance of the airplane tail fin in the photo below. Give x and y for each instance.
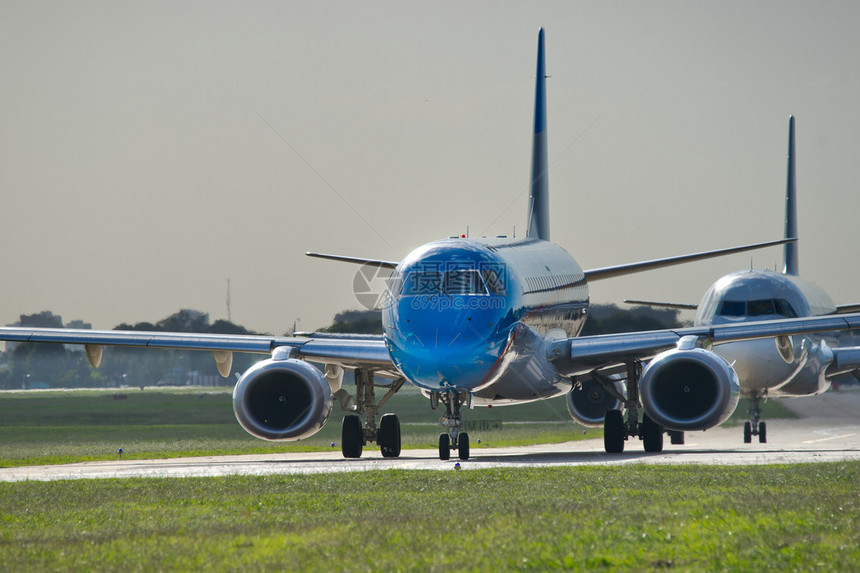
(538, 223)
(790, 207)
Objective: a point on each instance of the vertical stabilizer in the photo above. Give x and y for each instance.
(790, 207)
(538, 223)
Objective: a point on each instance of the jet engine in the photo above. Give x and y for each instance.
(282, 399)
(588, 401)
(690, 389)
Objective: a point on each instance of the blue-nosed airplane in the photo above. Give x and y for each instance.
(794, 366)
(480, 322)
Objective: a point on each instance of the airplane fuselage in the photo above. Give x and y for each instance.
(758, 295)
(473, 314)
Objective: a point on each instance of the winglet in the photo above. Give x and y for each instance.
(538, 223)
(791, 266)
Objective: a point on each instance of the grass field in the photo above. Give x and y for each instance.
(778, 518)
(47, 427)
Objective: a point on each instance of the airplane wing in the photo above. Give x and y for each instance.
(577, 356)
(344, 350)
(357, 260)
(674, 305)
(630, 268)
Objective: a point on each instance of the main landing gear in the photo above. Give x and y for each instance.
(454, 438)
(616, 429)
(755, 427)
(354, 436)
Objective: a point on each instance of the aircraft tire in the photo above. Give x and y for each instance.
(747, 433)
(613, 432)
(762, 433)
(676, 437)
(444, 447)
(351, 436)
(389, 436)
(463, 445)
(652, 435)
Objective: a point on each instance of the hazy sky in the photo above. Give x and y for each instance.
(148, 151)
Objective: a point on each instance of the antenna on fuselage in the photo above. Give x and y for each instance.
(791, 265)
(538, 222)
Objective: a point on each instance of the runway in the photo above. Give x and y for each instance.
(827, 431)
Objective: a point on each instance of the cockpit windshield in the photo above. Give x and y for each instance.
(764, 307)
(451, 282)
(422, 282)
(463, 282)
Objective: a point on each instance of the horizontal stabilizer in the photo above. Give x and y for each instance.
(630, 268)
(675, 305)
(356, 260)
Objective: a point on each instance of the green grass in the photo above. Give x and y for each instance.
(86, 425)
(775, 518)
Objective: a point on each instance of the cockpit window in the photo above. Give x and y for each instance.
(764, 307)
(760, 307)
(783, 308)
(463, 282)
(422, 282)
(493, 281)
(733, 308)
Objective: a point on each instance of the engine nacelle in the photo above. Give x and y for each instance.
(589, 401)
(691, 389)
(282, 399)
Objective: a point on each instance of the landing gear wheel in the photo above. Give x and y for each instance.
(444, 447)
(652, 435)
(613, 432)
(747, 433)
(762, 433)
(351, 436)
(676, 437)
(389, 436)
(463, 445)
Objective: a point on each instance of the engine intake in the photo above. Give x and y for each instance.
(691, 389)
(588, 401)
(282, 400)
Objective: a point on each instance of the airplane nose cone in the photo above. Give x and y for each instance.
(446, 349)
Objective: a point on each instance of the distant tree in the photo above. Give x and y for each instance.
(44, 319)
(356, 322)
(608, 318)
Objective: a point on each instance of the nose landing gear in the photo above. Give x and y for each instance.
(452, 421)
(755, 427)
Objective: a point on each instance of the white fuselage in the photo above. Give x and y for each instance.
(760, 295)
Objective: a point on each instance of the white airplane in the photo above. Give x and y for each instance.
(793, 367)
(477, 322)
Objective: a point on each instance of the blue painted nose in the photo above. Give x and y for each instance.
(440, 343)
